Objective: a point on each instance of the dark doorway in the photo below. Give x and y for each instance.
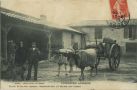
(28, 36)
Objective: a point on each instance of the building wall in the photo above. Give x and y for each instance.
(127, 44)
(116, 34)
(68, 41)
(107, 32)
(130, 39)
(90, 36)
(66, 38)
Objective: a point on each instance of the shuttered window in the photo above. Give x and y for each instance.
(130, 32)
(126, 31)
(135, 32)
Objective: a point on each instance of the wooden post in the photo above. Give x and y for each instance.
(5, 42)
(96, 40)
(0, 49)
(6, 29)
(83, 41)
(49, 45)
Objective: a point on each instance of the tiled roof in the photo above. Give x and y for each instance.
(90, 23)
(98, 23)
(36, 20)
(60, 27)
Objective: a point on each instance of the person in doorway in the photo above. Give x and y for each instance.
(33, 59)
(20, 60)
(11, 49)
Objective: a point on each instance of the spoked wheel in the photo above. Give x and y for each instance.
(114, 58)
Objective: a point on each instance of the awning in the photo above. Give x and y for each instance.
(34, 20)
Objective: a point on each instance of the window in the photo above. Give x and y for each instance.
(130, 32)
(98, 33)
(126, 30)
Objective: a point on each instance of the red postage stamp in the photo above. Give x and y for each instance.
(119, 9)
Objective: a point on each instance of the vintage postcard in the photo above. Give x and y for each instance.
(68, 44)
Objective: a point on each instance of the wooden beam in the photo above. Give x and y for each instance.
(0, 49)
(49, 45)
(28, 27)
(5, 29)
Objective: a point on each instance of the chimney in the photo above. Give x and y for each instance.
(43, 19)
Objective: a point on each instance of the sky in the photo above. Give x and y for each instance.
(65, 12)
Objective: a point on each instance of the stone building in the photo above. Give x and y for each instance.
(126, 37)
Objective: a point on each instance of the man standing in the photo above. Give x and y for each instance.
(20, 59)
(33, 58)
(11, 59)
(11, 52)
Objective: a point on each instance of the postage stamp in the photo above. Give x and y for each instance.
(119, 13)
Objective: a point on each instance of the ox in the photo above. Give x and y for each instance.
(85, 58)
(62, 57)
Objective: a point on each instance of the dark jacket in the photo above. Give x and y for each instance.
(33, 55)
(20, 56)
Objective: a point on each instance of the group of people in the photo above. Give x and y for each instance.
(22, 59)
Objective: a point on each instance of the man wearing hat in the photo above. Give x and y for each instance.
(33, 58)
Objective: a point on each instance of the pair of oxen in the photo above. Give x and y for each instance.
(81, 58)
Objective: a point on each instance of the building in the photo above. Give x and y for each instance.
(20, 27)
(126, 37)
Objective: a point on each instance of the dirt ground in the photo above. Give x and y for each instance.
(127, 72)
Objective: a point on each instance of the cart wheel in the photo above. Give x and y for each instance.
(114, 58)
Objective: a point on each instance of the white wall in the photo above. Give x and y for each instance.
(90, 33)
(67, 42)
(66, 39)
(116, 34)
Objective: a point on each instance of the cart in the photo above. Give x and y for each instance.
(111, 50)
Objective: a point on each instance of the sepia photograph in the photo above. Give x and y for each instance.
(68, 44)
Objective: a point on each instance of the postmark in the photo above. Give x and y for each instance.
(119, 13)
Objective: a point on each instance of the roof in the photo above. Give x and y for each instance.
(60, 27)
(97, 23)
(35, 20)
(90, 23)
(19, 16)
